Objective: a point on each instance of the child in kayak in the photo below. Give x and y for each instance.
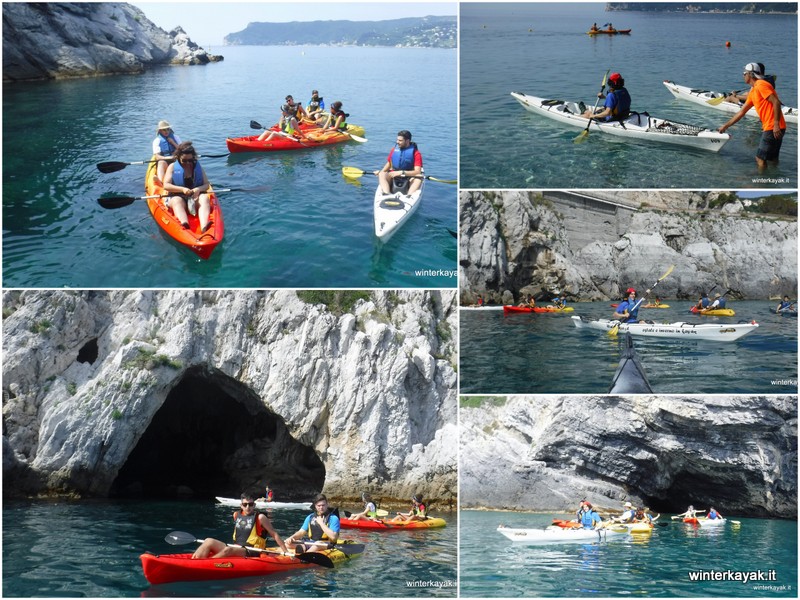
(418, 512)
(320, 530)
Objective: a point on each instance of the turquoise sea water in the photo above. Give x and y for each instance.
(656, 565)
(95, 551)
(303, 225)
(542, 49)
(545, 353)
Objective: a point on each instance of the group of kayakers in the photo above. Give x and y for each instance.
(761, 95)
(293, 114)
(418, 512)
(692, 512)
(588, 517)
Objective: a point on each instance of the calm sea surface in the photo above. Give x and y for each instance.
(545, 353)
(96, 547)
(655, 565)
(542, 49)
(304, 226)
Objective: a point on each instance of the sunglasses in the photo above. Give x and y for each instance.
(248, 503)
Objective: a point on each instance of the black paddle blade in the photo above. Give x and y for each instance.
(111, 166)
(350, 549)
(115, 201)
(177, 538)
(256, 125)
(316, 558)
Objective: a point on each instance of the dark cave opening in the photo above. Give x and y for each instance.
(702, 491)
(88, 352)
(214, 437)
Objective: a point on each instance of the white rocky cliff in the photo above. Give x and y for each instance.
(128, 392)
(546, 453)
(517, 243)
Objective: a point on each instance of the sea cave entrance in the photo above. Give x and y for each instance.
(214, 437)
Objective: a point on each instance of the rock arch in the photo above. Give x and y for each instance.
(213, 436)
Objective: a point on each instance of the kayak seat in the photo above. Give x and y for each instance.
(392, 204)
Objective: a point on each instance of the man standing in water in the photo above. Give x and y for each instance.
(768, 106)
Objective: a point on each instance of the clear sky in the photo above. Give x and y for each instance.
(207, 23)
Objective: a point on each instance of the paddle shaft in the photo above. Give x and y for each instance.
(642, 299)
(114, 166)
(585, 132)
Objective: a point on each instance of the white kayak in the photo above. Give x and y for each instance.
(706, 522)
(714, 332)
(264, 504)
(391, 211)
(639, 126)
(559, 535)
(702, 97)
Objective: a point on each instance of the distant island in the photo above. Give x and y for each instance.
(708, 7)
(417, 32)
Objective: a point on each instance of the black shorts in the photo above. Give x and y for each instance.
(769, 147)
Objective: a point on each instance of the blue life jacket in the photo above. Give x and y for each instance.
(403, 160)
(721, 303)
(588, 518)
(704, 302)
(619, 101)
(632, 312)
(164, 147)
(179, 179)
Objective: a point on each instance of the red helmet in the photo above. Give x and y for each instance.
(615, 79)
(630, 291)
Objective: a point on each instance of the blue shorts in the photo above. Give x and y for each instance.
(769, 147)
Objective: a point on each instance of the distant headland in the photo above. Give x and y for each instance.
(708, 7)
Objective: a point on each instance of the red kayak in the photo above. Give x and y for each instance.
(692, 520)
(391, 524)
(168, 568)
(609, 32)
(564, 524)
(313, 137)
(507, 309)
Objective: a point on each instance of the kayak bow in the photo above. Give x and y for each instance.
(391, 211)
(629, 377)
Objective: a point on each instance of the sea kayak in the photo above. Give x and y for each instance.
(608, 31)
(715, 312)
(168, 568)
(535, 309)
(559, 535)
(630, 377)
(391, 524)
(616, 304)
(391, 211)
(201, 243)
(784, 313)
(702, 97)
(639, 126)
(313, 138)
(713, 332)
(706, 522)
(265, 504)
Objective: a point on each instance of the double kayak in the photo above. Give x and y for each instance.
(714, 312)
(168, 568)
(560, 535)
(629, 377)
(608, 31)
(391, 211)
(638, 126)
(508, 309)
(616, 304)
(199, 242)
(264, 504)
(391, 524)
(710, 99)
(311, 138)
(713, 332)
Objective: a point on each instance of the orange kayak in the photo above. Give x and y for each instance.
(200, 243)
(313, 138)
(429, 523)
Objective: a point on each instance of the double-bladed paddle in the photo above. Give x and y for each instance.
(117, 165)
(615, 328)
(120, 201)
(583, 135)
(355, 172)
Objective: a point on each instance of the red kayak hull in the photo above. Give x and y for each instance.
(314, 137)
(168, 568)
(386, 525)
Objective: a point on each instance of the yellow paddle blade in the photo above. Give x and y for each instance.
(614, 330)
(450, 181)
(715, 101)
(353, 172)
(582, 137)
(382, 513)
(670, 270)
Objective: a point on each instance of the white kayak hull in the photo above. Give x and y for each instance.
(391, 211)
(262, 504)
(714, 332)
(701, 97)
(705, 522)
(559, 535)
(638, 126)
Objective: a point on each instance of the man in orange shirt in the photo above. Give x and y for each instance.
(768, 106)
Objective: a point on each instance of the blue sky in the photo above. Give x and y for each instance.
(207, 23)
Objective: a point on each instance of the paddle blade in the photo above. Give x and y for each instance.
(116, 201)
(716, 101)
(614, 330)
(178, 538)
(665, 275)
(111, 166)
(316, 558)
(450, 181)
(582, 137)
(382, 513)
(353, 172)
(256, 125)
(357, 138)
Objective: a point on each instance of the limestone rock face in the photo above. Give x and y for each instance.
(61, 40)
(738, 454)
(260, 384)
(520, 242)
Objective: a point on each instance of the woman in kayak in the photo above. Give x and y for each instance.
(337, 119)
(418, 512)
(370, 510)
(618, 102)
(627, 311)
(250, 531)
(590, 519)
(186, 179)
(404, 161)
(164, 146)
(320, 530)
